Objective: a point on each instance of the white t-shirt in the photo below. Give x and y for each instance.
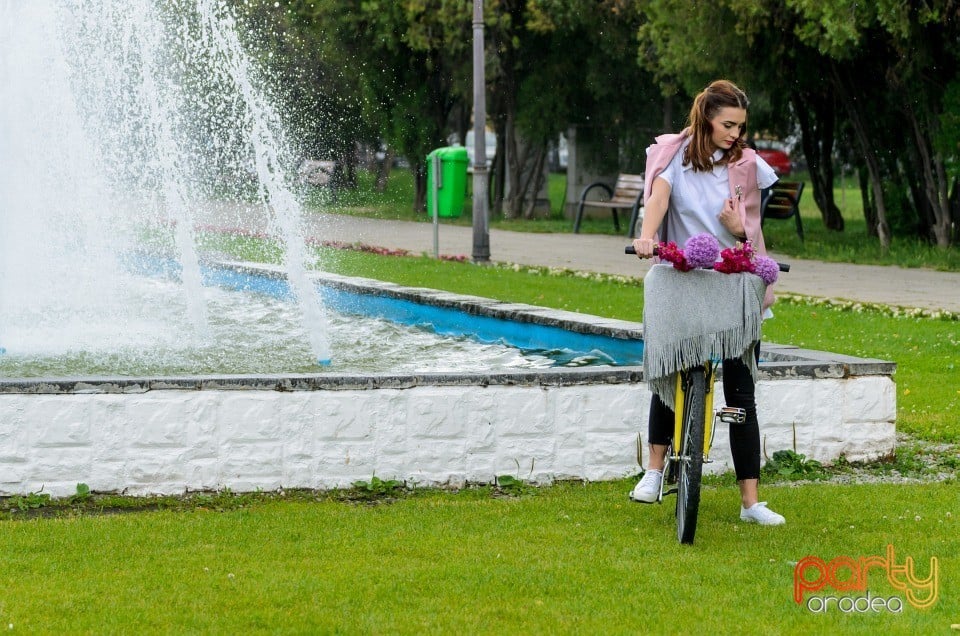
(696, 198)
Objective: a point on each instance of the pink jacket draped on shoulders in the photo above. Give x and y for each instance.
(741, 173)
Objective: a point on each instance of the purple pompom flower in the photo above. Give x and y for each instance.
(702, 250)
(766, 268)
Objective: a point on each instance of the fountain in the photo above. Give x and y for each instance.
(127, 115)
(121, 120)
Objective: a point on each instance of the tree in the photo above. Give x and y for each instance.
(690, 45)
(846, 65)
(323, 106)
(903, 53)
(563, 62)
(403, 67)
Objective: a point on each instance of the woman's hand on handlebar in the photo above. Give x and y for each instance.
(644, 248)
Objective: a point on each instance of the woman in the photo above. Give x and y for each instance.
(705, 179)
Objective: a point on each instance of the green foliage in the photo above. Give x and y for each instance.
(837, 70)
(834, 27)
(909, 460)
(793, 465)
(377, 488)
(586, 64)
(512, 486)
(82, 495)
(947, 140)
(915, 459)
(30, 501)
(673, 37)
(407, 63)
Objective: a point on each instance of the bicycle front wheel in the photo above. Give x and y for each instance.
(690, 463)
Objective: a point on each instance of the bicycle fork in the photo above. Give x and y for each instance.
(726, 414)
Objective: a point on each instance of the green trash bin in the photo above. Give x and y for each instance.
(453, 181)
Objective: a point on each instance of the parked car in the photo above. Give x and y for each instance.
(775, 153)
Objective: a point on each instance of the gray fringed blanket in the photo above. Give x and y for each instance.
(692, 317)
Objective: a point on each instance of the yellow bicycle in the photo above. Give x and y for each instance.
(693, 432)
(694, 426)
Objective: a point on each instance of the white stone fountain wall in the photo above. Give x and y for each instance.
(567, 425)
(171, 435)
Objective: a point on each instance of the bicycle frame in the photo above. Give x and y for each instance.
(708, 416)
(727, 414)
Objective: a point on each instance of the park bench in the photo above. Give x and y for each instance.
(626, 194)
(781, 201)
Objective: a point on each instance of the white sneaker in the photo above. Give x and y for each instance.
(647, 489)
(759, 513)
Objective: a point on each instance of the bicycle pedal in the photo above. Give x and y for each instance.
(732, 415)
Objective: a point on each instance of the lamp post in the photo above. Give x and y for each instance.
(481, 232)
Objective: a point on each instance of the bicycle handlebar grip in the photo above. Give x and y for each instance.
(630, 250)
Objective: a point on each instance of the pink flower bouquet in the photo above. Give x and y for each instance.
(703, 251)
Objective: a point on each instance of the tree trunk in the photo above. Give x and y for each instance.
(510, 208)
(869, 210)
(498, 190)
(419, 171)
(667, 124)
(525, 160)
(955, 210)
(870, 158)
(818, 136)
(537, 182)
(934, 182)
(513, 206)
(383, 169)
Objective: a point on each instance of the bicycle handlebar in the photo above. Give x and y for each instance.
(784, 267)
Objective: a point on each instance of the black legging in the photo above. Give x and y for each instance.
(738, 390)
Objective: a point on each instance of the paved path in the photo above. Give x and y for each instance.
(903, 287)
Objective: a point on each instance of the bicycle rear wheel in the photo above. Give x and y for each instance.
(690, 463)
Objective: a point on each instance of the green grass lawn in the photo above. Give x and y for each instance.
(568, 559)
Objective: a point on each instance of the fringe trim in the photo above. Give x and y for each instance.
(661, 368)
(675, 340)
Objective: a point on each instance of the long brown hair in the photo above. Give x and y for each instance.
(719, 94)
